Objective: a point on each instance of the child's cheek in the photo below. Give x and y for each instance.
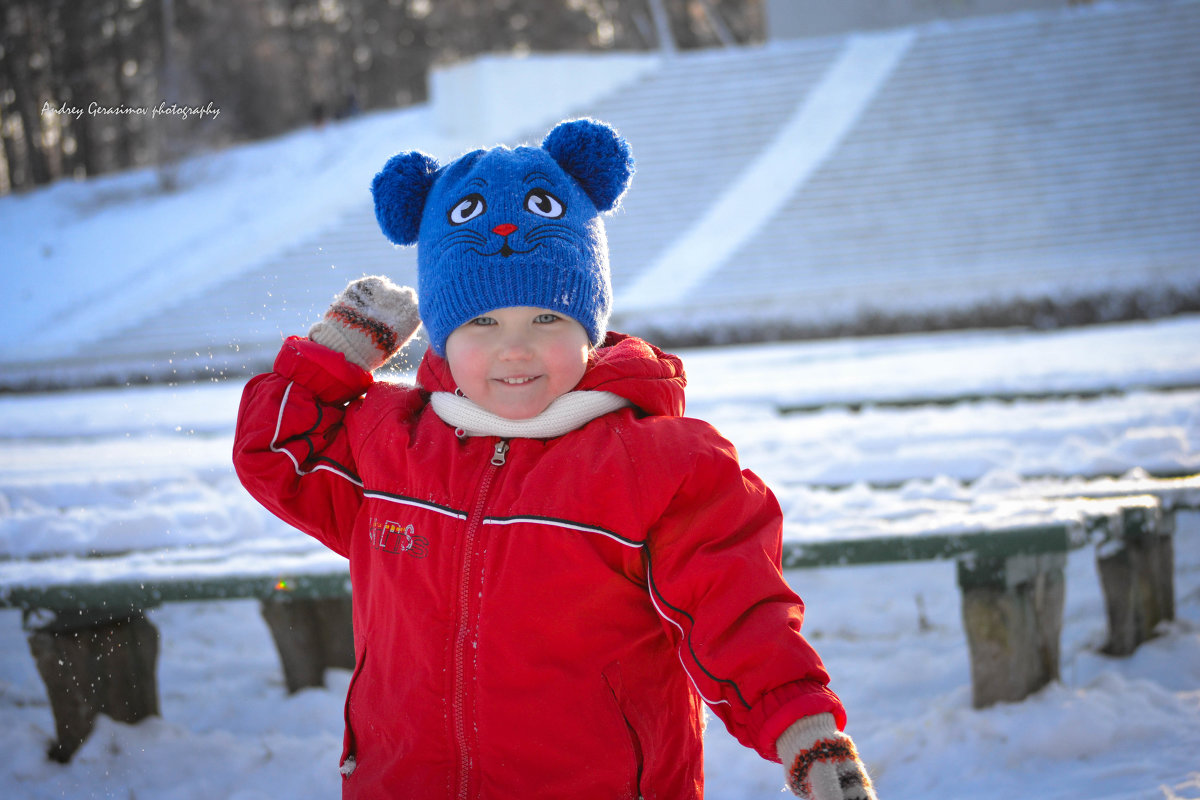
(467, 362)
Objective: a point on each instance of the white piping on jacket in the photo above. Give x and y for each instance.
(554, 523)
(405, 501)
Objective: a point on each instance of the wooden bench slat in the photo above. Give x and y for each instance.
(890, 549)
(137, 581)
(120, 598)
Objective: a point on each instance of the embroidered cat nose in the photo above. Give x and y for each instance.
(505, 229)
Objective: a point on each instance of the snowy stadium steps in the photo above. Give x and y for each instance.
(1005, 153)
(96, 650)
(997, 161)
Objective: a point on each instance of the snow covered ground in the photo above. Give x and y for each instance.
(110, 470)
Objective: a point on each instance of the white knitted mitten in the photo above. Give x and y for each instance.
(369, 321)
(822, 762)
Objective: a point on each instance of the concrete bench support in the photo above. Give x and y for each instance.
(103, 665)
(92, 667)
(1137, 572)
(1013, 614)
(310, 634)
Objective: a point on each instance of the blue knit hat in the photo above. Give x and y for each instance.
(509, 227)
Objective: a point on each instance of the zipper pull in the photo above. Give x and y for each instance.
(498, 455)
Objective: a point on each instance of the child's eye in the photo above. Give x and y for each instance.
(544, 204)
(543, 319)
(482, 321)
(467, 209)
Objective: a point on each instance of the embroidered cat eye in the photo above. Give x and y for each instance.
(467, 209)
(544, 204)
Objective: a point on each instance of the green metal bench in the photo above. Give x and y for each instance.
(97, 652)
(1011, 578)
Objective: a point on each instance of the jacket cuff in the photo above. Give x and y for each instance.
(325, 372)
(776, 712)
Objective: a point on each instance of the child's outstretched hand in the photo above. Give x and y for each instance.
(369, 321)
(822, 762)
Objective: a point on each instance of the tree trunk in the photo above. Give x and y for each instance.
(662, 26)
(18, 46)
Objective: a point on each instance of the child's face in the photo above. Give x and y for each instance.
(516, 361)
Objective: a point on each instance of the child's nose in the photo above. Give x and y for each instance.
(505, 229)
(514, 347)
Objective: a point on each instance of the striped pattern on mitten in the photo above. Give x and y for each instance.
(369, 321)
(822, 762)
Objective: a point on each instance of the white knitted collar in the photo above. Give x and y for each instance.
(571, 411)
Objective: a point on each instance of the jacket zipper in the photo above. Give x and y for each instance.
(463, 633)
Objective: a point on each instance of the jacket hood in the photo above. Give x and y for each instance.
(634, 369)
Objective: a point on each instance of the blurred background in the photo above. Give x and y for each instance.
(274, 65)
(187, 181)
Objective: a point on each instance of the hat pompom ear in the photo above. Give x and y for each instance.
(595, 155)
(400, 189)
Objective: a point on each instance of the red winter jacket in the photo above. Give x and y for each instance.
(545, 622)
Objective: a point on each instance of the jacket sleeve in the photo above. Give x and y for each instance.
(713, 567)
(291, 449)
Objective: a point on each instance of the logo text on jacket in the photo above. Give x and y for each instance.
(392, 537)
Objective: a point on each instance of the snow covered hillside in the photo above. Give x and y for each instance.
(1029, 167)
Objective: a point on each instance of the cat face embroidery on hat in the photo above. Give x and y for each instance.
(509, 227)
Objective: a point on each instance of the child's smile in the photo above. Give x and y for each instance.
(515, 361)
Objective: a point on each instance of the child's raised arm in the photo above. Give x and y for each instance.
(291, 450)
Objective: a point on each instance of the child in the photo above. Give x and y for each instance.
(553, 569)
